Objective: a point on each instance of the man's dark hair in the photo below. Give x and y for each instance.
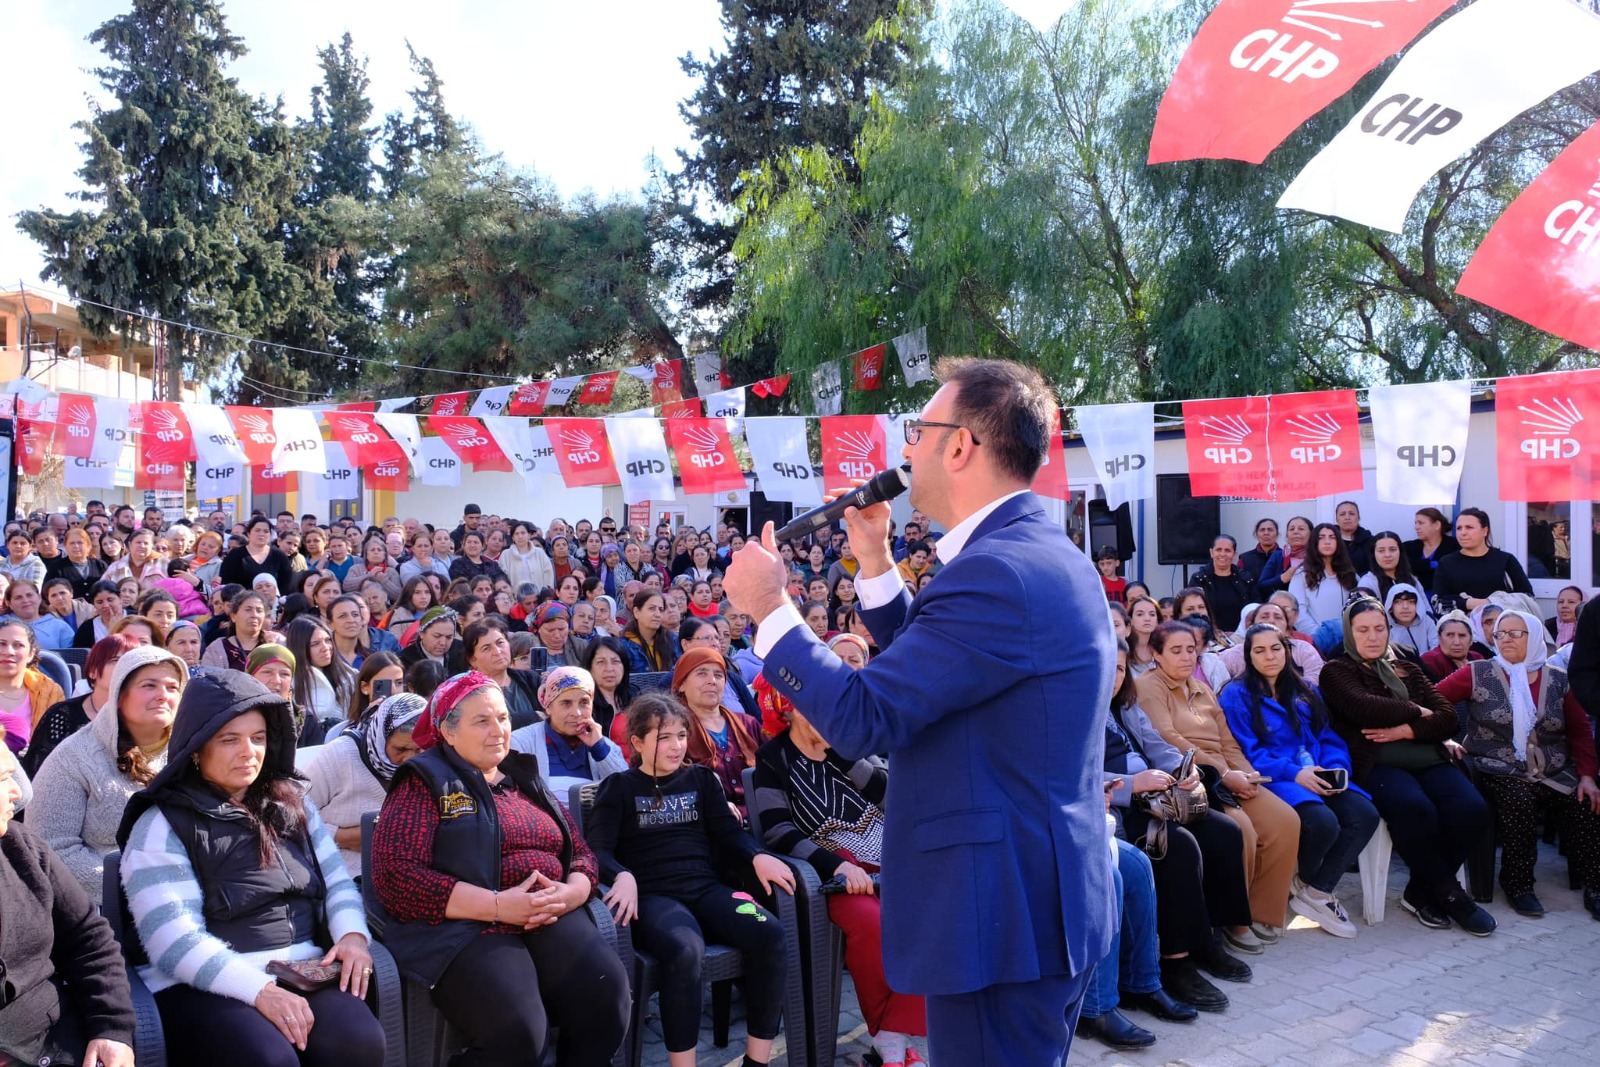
(1005, 406)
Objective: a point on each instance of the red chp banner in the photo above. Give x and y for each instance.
(266, 479)
(852, 447)
(395, 477)
(1227, 444)
(256, 436)
(450, 404)
(771, 386)
(1052, 477)
(35, 438)
(165, 421)
(1541, 261)
(582, 452)
(1315, 444)
(365, 443)
(471, 443)
(704, 450)
(528, 399)
(76, 417)
(668, 383)
(682, 409)
(869, 367)
(1547, 433)
(1259, 68)
(597, 388)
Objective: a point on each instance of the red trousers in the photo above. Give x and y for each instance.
(881, 1007)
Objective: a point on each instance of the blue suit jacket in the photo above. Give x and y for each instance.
(989, 696)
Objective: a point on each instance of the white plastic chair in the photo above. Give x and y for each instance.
(1373, 864)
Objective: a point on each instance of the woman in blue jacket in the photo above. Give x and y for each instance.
(1282, 727)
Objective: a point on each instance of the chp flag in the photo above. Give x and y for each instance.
(642, 462)
(781, 461)
(1314, 448)
(113, 428)
(1419, 437)
(407, 433)
(1541, 261)
(912, 349)
(869, 368)
(1259, 68)
(76, 417)
(439, 464)
(706, 460)
(827, 388)
(582, 452)
(1459, 84)
(853, 447)
(1547, 433)
(1051, 478)
(1227, 445)
(299, 445)
(1122, 446)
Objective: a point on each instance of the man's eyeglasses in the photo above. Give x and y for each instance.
(914, 427)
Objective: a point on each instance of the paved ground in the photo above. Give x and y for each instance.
(1399, 995)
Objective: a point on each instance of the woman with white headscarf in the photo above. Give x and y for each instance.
(1532, 748)
(350, 775)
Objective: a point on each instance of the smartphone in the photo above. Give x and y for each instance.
(1113, 785)
(382, 688)
(1336, 778)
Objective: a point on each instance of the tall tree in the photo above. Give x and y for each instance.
(178, 181)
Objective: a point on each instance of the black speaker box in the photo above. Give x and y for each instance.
(1185, 525)
(1111, 529)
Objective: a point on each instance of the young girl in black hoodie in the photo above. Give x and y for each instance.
(660, 831)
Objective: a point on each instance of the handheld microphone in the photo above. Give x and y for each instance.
(886, 485)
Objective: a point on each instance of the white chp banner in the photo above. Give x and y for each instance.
(707, 372)
(338, 482)
(912, 348)
(437, 464)
(561, 391)
(1419, 436)
(1461, 83)
(395, 403)
(640, 451)
(213, 481)
(97, 474)
(781, 461)
(112, 430)
(407, 433)
(827, 389)
(492, 401)
(544, 476)
(299, 446)
(1122, 446)
(215, 442)
(727, 404)
(512, 436)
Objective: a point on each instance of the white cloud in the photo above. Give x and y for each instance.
(582, 93)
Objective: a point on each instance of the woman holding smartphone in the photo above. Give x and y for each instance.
(1282, 727)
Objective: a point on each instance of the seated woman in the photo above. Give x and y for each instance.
(651, 645)
(323, 682)
(183, 641)
(247, 628)
(720, 739)
(1187, 715)
(1282, 728)
(438, 640)
(827, 811)
(1200, 880)
(83, 787)
(24, 603)
(350, 775)
(1532, 748)
(736, 693)
(25, 692)
(1410, 626)
(67, 998)
(64, 719)
(487, 905)
(1563, 625)
(488, 650)
(569, 745)
(227, 867)
(1304, 654)
(1396, 726)
(606, 660)
(660, 832)
(1454, 650)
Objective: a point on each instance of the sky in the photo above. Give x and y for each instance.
(583, 94)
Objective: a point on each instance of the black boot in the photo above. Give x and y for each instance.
(1183, 980)
(1115, 1030)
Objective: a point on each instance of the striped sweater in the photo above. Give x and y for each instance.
(165, 899)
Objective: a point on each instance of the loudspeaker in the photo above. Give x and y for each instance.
(1185, 525)
(1110, 529)
(763, 511)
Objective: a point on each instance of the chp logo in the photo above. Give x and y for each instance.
(258, 428)
(466, 435)
(168, 427)
(705, 447)
(871, 364)
(386, 470)
(1549, 425)
(358, 431)
(858, 455)
(580, 447)
(80, 421)
(447, 406)
(1315, 434)
(1230, 432)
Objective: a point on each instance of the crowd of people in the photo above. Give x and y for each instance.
(251, 690)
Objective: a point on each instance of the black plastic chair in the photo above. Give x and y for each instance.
(429, 1036)
(73, 657)
(651, 681)
(821, 955)
(722, 965)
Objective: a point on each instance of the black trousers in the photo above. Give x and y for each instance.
(204, 1029)
(675, 932)
(1200, 884)
(1436, 819)
(486, 994)
(1517, 804)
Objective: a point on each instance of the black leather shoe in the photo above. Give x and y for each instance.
(1221, 964)
(1183, 979)
(1161, 1004)
(1526, 904)
(1424, 909)
(1465, 913)
(1115, 1030)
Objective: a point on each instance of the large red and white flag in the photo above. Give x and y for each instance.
(706, 460)
(1259, 68)
(1315, 447)
(469, 440)
(256, 436)
(597, 388)
(1547, 429)
(1227, 445)
(166, 422)
(667, 386)
(1541, 261)
(450, 404)
(1459, 84)
(529, 399)
(582, 452)
(853, 447)
(365, 443)
(76, 418)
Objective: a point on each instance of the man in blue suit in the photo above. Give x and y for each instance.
(988, 695)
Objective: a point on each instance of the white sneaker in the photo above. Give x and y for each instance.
(1323, 909)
